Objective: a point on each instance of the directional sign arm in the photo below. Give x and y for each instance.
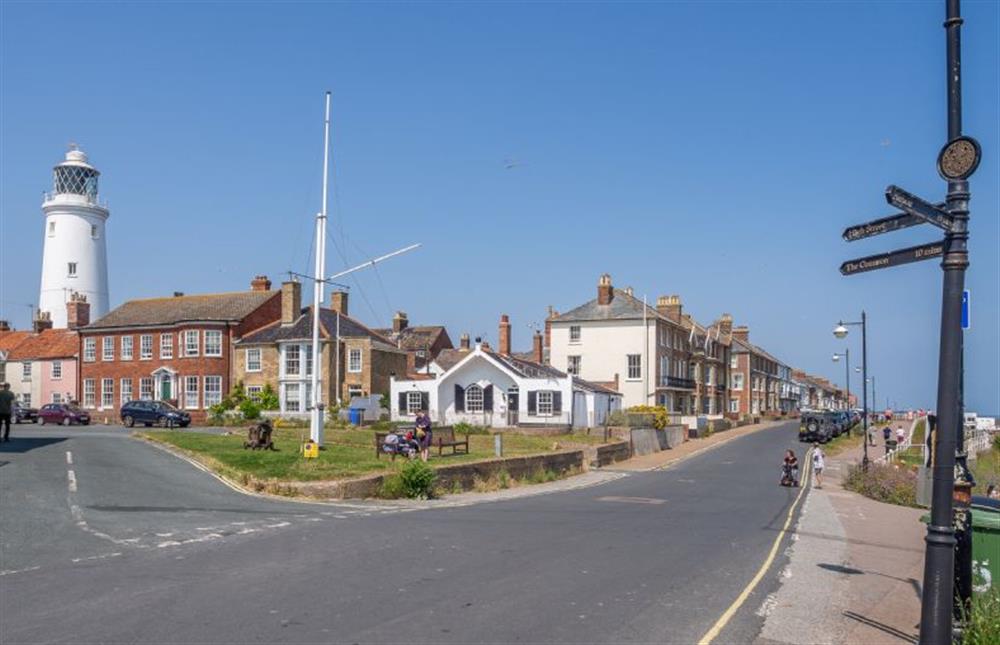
(893, 258)
(913, 205)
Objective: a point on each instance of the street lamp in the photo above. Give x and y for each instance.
(841, 331)
(847, 364)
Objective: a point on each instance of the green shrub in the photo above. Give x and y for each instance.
(618, 418)
(996, 441)
(503, 479)
(884, 483)
(660, 417)
(392, 487)
(417, 480)
(268, 398)
(249, 410)
(469, 428)
(982, 625)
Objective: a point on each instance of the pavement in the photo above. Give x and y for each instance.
(139, 546)
(855, 569)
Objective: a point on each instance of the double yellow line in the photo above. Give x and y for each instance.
(720, 624)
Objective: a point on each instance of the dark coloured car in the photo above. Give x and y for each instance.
(24, 414)
(816, 426)
(150, 413)
(64, 413)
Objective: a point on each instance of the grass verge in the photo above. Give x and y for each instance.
(883, 483)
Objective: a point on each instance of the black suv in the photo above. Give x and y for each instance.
(24, 414)
(154, 413)
(817, 426)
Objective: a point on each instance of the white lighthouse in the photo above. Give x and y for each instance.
(75, 258)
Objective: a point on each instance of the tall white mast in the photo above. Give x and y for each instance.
(316, 417)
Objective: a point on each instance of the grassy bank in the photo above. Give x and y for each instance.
(986, 468)
(347, 453)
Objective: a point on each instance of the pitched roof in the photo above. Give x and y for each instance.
(449, 358)
(302, 329)
(50, 343)
(413, 338)
(622, 307)
(222, 307)
(11, 339)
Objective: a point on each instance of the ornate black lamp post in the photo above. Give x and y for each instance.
(840, 331)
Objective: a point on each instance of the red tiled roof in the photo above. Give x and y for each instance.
(51, 343)
(11, 339)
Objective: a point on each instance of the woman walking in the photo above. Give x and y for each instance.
(818, 462)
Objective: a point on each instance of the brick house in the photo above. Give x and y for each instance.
(280, 354)
(422, 343)
(176, 349)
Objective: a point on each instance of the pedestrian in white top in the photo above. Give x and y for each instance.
(900, 435)
(819, 462)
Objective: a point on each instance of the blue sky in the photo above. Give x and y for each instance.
(714, 150)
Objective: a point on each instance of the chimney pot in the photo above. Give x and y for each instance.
(670, 307)
(463, 342)
(42, 322)
(399, 322)
(504, 335)
(537, 352)
(77, 311)
(605, 290)
(338, 302)
(291, 301)
(260, 283)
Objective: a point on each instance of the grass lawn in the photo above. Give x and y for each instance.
(348, 453)
(986, 469)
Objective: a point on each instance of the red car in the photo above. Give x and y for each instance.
(64, 413)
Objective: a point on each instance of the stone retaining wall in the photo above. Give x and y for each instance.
(612, 452)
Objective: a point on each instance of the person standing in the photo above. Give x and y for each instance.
(819, 462)
(423, 434)
(900, 435)
(6, 409)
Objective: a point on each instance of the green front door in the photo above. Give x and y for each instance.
(166, 391)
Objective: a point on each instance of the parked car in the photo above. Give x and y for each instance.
(64, 413)
(154, 413)
(24, 414)
(816, 426)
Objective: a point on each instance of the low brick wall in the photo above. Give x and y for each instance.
(612, 452)
(447, 476)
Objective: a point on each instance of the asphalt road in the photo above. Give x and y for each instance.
(138, 546)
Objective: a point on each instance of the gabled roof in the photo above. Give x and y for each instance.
(414, 338)
(151, 312)
(50, 343)
(622, 307)
(302, 329)
(449, 358)
(11, 339)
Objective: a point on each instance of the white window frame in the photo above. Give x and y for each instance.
(167, 345)
(286, 389)
(217, 348)
(734, 405)
(253, 359)
(146, 347)
(353, 391)
(738, 381)
(354, 360)
(57, 397)
(573, 363)
(544, 403)
(89, 349)
(71, 270)
(191, 349)
(191, 398)
(291, 358)
(26, 371)
(89, 393)
(414, 401)
(56, 370)
(253, 392)
(107, 393)
(129, 346)
(630, 368)
(108, 348)
(574, 334)
(125, 390)
(734, 361)
(474, 399)
(213, 390)
(146, 393)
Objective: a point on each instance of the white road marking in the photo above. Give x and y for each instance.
(632, 500)
(7, 572)
(71, 476)
(102, 556)
(69, 457)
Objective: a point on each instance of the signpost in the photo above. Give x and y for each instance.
(882, 225)
(893, 258)
(913, 205)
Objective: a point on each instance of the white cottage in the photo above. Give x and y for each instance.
(483, 387)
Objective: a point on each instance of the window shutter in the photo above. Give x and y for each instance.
(532, 403)
(488, 398)
(425, 401)
(557, 402)
(459, 398)
(402, 402)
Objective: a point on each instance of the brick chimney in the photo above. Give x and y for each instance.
(42, 322)
(742, 333)
(399, 322)
(504, 335)
(260, 283)
(77, 311)
(338, 302)
(726, 324)
(4, 325)
(670, 307)
(291, 301)
(605, 292)
(463, 342)
(537, 353)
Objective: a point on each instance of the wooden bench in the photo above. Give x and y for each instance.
(445, 438)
